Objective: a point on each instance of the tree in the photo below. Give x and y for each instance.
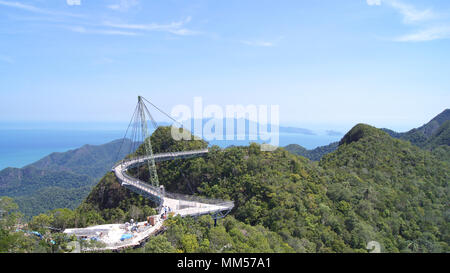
(41, 222)
(63, 218)
(11, 238)
(158, 244)
(189, 243)
(136, 213)
(8, 213)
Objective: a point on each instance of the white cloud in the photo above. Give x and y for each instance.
(373, 2)
(106, 28)
(73, 2)
(424, 18)
(83, 30)
(429, 34)
(123, 5)
(410, 13)
(34, 9)
(174, 27)
(258, 43)
(22, 6)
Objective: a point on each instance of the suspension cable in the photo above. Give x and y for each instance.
(126, 132)
(151, 117)
(164, 113)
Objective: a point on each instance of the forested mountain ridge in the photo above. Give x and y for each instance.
(60, 179)
(433, 135)
(17, 182)
(399, 190)
(373, 187)
(440, 137)
(420, 136)
(91, 160)
(439, 142)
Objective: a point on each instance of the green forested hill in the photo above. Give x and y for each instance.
(433, 136)
(440, 137)
(374, 187)
(393, 190)
(91, 160)
(439, 142)
(200, 235)
(421, 136)
(25, 181)
(50, 198)
(60, 179)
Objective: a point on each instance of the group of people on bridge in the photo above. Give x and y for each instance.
(166, 210)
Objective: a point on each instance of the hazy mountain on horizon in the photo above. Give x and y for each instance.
(122, 126)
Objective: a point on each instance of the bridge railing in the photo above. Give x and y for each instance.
(199, 199)
(161, 156)
(133, 180)
(179, 196)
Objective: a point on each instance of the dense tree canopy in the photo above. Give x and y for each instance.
(373, 187)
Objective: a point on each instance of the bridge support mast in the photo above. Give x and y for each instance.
(147, 143)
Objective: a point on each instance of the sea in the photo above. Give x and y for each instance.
(20, 147)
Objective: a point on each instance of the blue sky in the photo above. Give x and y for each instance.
(325, 63)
